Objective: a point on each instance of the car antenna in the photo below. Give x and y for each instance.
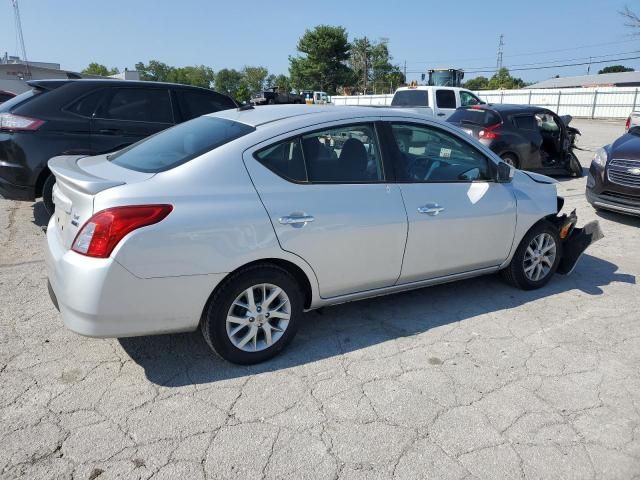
(246, 107)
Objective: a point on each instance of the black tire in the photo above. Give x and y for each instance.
(47, 194)
(574, 166)
(510, 159)
(514, 273)
(213, 323)
(271, 101)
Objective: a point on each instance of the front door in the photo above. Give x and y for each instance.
(329, 203)
(127, 115)
(460, 220)
(445, 103)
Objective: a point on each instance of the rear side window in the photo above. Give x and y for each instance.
(86, 106)
(475, 116)
(179, 144)
(446, 98)
(139, 105)
(526, 122)
(194, 103)
(284, 159)
(410, 98)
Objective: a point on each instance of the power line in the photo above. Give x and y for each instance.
(558, 66)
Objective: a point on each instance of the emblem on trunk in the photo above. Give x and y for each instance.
(75, 219)
(634, 171)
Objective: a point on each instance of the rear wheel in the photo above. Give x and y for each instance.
(47, 194)
(510, 159)
(253, 315)
(536, 259)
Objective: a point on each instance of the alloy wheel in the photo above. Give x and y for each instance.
(539, 257)
(258, 317)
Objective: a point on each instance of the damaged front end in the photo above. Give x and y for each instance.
(575, 240)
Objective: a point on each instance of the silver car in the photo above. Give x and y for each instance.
(238, 221)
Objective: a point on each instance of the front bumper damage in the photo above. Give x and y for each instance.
(575, 240)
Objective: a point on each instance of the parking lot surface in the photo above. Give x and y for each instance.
(467, 380)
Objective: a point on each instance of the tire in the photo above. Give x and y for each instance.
(510, 159)
(515, 273)
(271, 101)
(47, 194)
(574, 166)
(225, 301)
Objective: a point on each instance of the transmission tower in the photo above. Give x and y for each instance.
(18, 22)
(500, 45)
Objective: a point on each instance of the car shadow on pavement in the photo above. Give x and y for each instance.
(185, 359)
(40, 214)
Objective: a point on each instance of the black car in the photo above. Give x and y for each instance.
(614, 176)
(4, 96)
(87, 117)
(525, 136)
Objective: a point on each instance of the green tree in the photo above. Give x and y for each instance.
(503, 80)
(198, 76)
(615, 69)
(229, 81)
(322, 66)
(155, 71)
(254, 78)
(371, 65)
(478, 83)
(99, 69)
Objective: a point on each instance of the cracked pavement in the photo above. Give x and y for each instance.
(461, 381)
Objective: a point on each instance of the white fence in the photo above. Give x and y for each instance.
(601, 102)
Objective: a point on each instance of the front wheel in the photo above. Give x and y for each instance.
(47, 194)
(536, 259)
(253, 314)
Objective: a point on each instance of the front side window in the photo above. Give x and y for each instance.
(346, 154)
(526, 122)
(179, 144)
(446, 99)
(284, 159)
(138, 104)
(429, 154)
(468, 98)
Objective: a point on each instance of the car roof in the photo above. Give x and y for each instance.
(268, 114)
(429, 87)
(112, 82)
(507, 108)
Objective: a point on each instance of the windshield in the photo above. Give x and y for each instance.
(179, 144)
(442, 79)
(18, 99)
(475, 116)
(410, 98)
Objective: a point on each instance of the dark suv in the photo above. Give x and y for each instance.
(86, 117)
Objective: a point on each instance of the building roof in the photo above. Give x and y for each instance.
(601, 80)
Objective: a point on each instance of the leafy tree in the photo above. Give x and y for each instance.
(155, 71)
(198, 76)
(503, 80)
(322, 66)
(372, 68)
(254, 78)
(615, 69)
(99, 69)
(282, 81)
(229, 81)
(478, 83)
(631, 18)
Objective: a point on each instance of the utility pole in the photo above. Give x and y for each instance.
(499, 60)
(589, 67)
(405, 71)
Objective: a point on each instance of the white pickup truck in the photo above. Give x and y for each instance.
(439, 102)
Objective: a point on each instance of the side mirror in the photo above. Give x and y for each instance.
(505, 173)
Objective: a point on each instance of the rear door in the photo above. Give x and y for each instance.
(445, 102)
(329, 202)
(129, 114)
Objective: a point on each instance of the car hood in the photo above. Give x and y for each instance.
(627, 146)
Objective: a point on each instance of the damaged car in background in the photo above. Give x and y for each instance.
(237, 222)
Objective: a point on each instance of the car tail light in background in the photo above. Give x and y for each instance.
(490, 133)
(9, 121)
(628, 123)
(102, 232)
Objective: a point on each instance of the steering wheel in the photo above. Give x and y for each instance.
(419, 168)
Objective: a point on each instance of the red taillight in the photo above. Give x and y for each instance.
(490, 133)
(102, 232)
(627, 124)
(9, 121)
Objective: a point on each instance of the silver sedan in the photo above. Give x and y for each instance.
(237, 222)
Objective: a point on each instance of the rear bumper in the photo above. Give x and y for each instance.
(100, 298)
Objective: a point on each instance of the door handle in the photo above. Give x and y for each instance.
(441, 114)
(109, 131)
(296, 220)
(432, 209)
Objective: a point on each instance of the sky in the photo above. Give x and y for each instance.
(424, 34)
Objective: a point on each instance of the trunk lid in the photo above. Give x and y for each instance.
(78, 180)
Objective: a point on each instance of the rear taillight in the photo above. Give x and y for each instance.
(9, 121)
(627, 124)
(490, 132)
(102, 232)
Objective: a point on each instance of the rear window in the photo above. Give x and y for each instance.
(475, 116)
(18, 99)
(179, 144)
(410, 98)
